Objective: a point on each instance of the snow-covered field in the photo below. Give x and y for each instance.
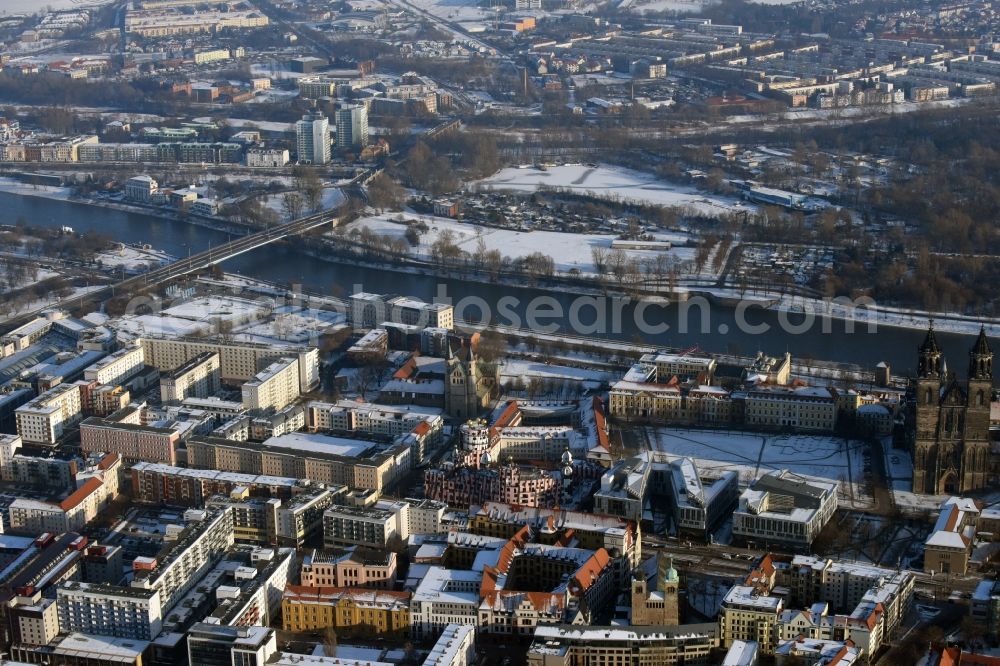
(753, 454)
(692, 6)
(290, 324)
(568, 251)
(14, 186)
(530, 369)
(133, 258)
(43, 6)
(611, 183)
(332, 197)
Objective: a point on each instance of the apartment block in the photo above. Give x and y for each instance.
(237, 362)
(273, 388)
(358, 464)
(154, 483)
(34, 619)
(117, 368)
(109, 610)
(30, 516)
(201, 377)
(46, 419)
(747, 615)
(180, 565)
(124, 433)
(376, 527)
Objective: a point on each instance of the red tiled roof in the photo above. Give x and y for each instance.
(590, 571)
(601, 423)
(81, 493)
(107, 461)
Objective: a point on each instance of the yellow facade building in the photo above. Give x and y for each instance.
(351, 611)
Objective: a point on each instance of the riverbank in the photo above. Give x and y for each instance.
(795, 308)
(63, 193)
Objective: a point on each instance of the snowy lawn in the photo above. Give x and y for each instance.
(752, 454)
(569, 251)
(612, 183)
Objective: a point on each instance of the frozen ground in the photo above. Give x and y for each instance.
(332, 197)
(530, 369)
(568, 251)
(43, 6)
(133, 258)
(689, 6)
(40, 274)
(753, 454)
(47, 191)
(291, 324)
(611, 183)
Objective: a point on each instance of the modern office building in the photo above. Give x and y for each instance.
(782, 507)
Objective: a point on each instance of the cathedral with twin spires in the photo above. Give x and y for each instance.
(950, 436)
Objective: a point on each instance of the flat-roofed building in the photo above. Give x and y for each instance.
(273, 388)
(198, 378)
(109, 610)
(237, 362)
(48, 417)
(783, 507)
(748, 615)
(568, 645)
(117, 368)
(376, 526)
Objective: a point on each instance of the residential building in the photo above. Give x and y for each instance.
(984, 606)
(109, 610)
(312, 139)
(200, 377)
(379, 526)
(179, 566)
(126, 434)
(273, 388)
(9, 445)
(273, 158)
(47, 418)
(358, 464)
(747, 615)
(352, 126)
(154, 483)
(237, 362)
